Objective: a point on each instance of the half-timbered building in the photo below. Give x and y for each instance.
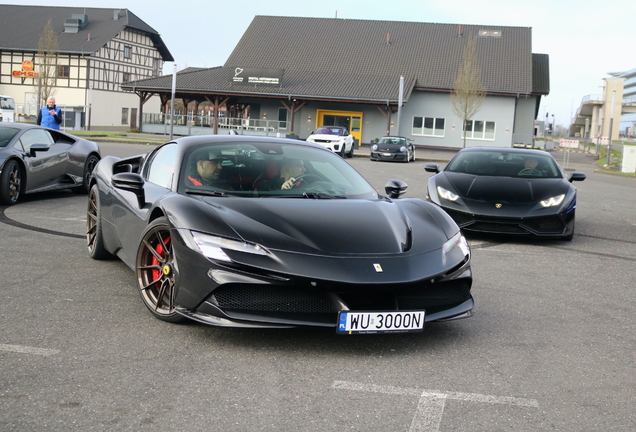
(99, 49)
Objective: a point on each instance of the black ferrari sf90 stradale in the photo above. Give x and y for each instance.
(506, 191)
(267, 232)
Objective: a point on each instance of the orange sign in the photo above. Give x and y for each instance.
(25, 74)
(27, 70)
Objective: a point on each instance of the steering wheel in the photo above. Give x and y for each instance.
(530, 172)
(306, 178)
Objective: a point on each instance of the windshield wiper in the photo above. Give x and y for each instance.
(206, 192)
(322, 195)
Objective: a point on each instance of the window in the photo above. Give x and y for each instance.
(127, 52)
(35, 136)
(480, 129)
(125, 77)
(124, 116)
(162, 166)
(282, 117)
(64, 71)
(428, 126)
(155, 67)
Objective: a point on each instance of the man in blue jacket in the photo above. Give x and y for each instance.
(49, 116)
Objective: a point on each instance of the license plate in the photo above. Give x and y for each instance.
(387, 154)
(380, 322)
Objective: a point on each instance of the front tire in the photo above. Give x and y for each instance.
(10, 183)
(157, 271)
(94, 234)
(570, 236)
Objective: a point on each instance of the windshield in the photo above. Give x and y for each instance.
(270, 169)
(504, 164)
(6, 135)
(329, 130)
(398, 141)
(7, 103)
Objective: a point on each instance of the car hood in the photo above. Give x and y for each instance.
(390, 147)
(325, 137)
(330, 227)
(503, 189)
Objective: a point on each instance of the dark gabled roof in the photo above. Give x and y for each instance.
(432, 53)
(540, 74)
(22, 26)
(337, 59)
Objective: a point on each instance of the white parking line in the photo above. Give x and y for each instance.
(28, 350)
(430, 408)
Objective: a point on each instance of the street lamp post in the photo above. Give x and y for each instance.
(609, 142)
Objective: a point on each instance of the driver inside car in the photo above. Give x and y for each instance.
(289, 171)
(530, 167)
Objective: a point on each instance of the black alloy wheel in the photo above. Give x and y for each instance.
(10, 183)
(157, 271)
(89, 167)
(94, 234)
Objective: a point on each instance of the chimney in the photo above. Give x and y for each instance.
(116, 14)
(459, 31)
(388, 38)
(75, 23)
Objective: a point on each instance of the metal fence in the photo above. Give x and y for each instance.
(204, 125)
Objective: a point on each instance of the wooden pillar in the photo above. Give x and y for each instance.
(216, 105)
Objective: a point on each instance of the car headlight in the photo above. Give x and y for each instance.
(374, 147)
(212, 246)
(553, 201)
(403, 149)
(446, 194)
(458, 240)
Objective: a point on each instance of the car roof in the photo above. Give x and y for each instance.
(191, 141)
(514, 150)
(19, 125)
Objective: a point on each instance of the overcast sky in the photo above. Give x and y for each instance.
(585, 39)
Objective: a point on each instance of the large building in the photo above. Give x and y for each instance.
(374, 77)
(614, 110)
(628, 120)
(98, 50)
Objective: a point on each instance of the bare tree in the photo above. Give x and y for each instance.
(48, 49)
(468, 94)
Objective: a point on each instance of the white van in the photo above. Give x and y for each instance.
(7, 109)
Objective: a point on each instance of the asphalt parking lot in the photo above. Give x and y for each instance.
(550, 347)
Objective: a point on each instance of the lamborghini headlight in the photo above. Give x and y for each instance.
(458, 240)
(213, 247)
(446, 194)
(553, 201)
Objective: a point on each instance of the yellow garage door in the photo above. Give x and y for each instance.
(347, 119)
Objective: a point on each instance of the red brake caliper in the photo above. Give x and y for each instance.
(156, 274)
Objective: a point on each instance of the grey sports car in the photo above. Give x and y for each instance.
(38, 159)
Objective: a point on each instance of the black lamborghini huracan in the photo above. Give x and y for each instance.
(37, 159)
(506, 191)
(242, 249)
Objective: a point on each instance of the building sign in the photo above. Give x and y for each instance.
(27, 70)
(257, 76)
